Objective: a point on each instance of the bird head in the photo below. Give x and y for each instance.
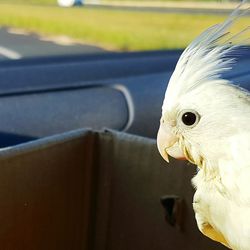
(200, 109)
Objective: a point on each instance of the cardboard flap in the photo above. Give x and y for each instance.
(94, 191)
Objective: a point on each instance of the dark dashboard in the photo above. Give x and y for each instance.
(121, 91)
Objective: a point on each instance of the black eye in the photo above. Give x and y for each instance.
(189, 118)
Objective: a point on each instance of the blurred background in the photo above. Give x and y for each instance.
(70, 64)
(47, 27)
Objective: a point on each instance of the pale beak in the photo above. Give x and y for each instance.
(167, 143)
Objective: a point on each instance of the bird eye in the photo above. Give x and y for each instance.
(190, 118)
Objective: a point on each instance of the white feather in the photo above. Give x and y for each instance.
(223, 201)
(206, 58)
(220, 142)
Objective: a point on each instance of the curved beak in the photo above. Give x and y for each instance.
(167, 143)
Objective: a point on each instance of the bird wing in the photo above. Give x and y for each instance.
(235, 170)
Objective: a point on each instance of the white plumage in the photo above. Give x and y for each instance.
(206, 120)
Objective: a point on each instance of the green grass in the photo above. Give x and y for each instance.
(164, 0)
(29, 1)
(118, 30)
(54, 1)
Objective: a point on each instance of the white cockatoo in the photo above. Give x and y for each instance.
(206, 120)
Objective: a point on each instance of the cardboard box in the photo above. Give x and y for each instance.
(95, 191)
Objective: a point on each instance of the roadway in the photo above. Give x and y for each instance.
(214, 8)
(17, 44)
(170, 9)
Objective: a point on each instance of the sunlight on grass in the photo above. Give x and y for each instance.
(89, 1)
(119, 30)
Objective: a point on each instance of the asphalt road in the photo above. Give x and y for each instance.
(214, 8)
(16, 44)
(208, 11)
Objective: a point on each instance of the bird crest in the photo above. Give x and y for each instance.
(207, 57)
